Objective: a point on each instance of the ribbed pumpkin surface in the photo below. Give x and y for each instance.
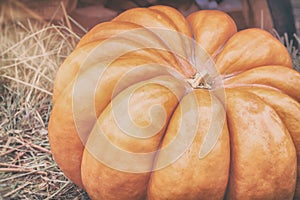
(154, 105)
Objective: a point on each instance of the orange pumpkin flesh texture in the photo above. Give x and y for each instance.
(124, 89)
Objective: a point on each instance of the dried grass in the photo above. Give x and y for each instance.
(295, 53)
(292, 48)
(30, 54)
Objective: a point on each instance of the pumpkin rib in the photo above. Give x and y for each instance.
(115, 131)
(64, 139)
(288, 110)
(71, 66)
(199, 173)
(146, 18)
(202, 22)
(118, 29)
(103, 93)
(259, 141)
(280, 77)
(69, 69)
(106, 30)
(179, 29)
(179, 22)
(256, 43)
(164, 26)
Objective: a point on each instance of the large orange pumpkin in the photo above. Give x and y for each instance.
(154, 105)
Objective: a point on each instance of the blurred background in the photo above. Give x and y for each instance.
(281, 15)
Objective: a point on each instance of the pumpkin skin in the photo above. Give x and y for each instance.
(255, 151)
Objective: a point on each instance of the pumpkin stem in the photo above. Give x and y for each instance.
(200, 81)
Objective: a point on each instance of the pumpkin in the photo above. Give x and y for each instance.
(155, 105)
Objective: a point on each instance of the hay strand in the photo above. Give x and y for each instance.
(30, 55)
